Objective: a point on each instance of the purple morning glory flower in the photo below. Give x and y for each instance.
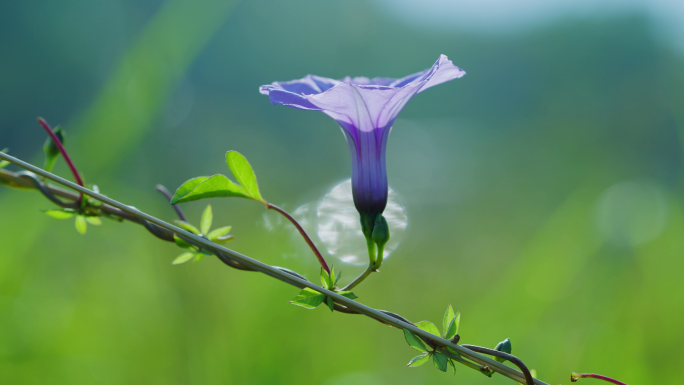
(365, 109)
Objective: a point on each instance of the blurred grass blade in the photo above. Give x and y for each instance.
(134, 95)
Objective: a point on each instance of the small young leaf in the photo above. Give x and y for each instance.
(220, 232)
(207, 218)
(81, 224)
(183, 258)
(308, 298)
(332, 277)
(428, 327)
(60, 214)
(452, 329)
(202, 187)
(347, 294)
(93, 220)
(181, 243)
(503, 346)
(330, 302)
(244, 174)
(337, 278)
(414, 341)
(186, 226)
(440, 361)
(325, 279)
(418, 360)
(448, 317)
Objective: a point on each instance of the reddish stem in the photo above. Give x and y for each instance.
(64, 153)
(575, 376)
(303, 233)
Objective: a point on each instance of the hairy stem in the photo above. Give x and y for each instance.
(65, 155)
(306, 237)
(576, 376)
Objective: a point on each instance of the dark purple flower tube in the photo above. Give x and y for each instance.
(365, 109)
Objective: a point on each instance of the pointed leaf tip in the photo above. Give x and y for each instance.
(244, 174)
(448, 317)
(207, 218)
(452, 329)
(81, 224)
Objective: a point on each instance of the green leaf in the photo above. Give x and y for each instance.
(308, 298)
(503, 346)
(60, 214)
(325, 279)
(418, 360)
(448, 317)
(333, 280)
(347, 294)
(330, 302)
(202, 187)
(51, 150)
(207, 218)
(244, 174)
(220, 232)
(186, 226)
(414, 341)
(81, 224)
(337, 278)
(93, 220)
(180, 242)
(452, 330)
(183, 258)
(428, 327)
(440, 361)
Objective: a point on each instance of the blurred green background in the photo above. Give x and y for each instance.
(543, 190)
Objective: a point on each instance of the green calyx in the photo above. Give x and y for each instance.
(380, 236)
(376, 231)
